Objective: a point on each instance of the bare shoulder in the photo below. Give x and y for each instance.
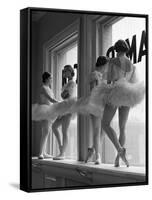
(45, 89)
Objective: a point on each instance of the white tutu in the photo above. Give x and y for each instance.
(51, 112)
(121, 93)
(85, 106)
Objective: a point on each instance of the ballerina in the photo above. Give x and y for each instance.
(119, 68)
(122, 48)
(46, 98)
(68, 91)
(95, 79)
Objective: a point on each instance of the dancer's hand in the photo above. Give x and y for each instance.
(65, 94)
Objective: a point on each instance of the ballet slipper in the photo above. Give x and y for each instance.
(47, 155)
(98, 160)
(59, 158)
(40, 157)
(117, 161)
(122, 154)
(90, 154)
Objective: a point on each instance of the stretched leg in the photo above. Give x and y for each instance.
(123, 117)
(43, 142)
(108, 115)
(55, 126)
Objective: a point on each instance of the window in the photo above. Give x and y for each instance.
(132, 30)
(58, 52)
(62, 57)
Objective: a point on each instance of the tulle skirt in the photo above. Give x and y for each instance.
(51, 112)
(121, 93)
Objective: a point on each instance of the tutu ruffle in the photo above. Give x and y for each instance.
(121, 93)
(85, 106)
(51, 112)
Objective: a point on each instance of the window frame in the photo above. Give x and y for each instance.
(59, 42)
(67, 44)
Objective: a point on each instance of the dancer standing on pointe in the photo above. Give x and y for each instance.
(95, 79)
(119, 67)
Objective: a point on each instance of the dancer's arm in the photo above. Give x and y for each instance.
(93, 80)
(131, 74)
(69, 90)
(47, 95)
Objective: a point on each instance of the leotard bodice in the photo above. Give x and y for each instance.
(43, 98)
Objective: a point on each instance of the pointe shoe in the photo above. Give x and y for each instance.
(117, 162)
(97, 162)
(98, 159)
(47, 155)
(90, 154)
(59, 157)
(41, 157)
(122, 154)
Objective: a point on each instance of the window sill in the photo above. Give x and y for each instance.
(104, 171)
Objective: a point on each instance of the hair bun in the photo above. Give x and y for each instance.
(121, 46)
(45, 76)
(68, 68)
(101, 60)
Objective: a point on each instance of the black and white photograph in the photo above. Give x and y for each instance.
(86, 99)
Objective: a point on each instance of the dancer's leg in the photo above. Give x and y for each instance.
(43, 141)
(123, 117)
(55, 126)
(96, 125)
(107, 118)
(108, 115)
(65, 126)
